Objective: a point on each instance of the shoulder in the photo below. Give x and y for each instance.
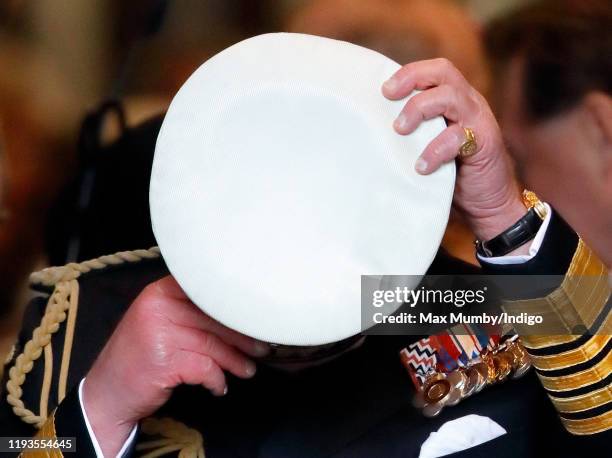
(65, 326)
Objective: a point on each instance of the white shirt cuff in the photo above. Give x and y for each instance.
(533, 248)
(92, 436)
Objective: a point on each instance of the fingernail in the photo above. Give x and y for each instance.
(250, 369)
(421, 165)
(400, 122)
(261, 349)
(220, 393)
(390, 85)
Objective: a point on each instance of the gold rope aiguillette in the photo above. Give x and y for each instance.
(62, 306)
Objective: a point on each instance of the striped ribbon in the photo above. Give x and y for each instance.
(448, 350)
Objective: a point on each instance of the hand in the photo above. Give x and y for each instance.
(162, 341)
(486, 191)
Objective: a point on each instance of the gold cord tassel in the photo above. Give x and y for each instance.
(175, 436)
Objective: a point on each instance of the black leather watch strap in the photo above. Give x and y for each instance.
(521, 232)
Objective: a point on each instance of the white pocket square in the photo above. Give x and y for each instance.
(460, 434)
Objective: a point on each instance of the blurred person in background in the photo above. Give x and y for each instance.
(403, 30)
(553, 68)
(35, 162)
(38, 115)
(5, 342)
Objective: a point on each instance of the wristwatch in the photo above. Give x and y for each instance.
(521, 232)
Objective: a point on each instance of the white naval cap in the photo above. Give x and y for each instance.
(278, 181)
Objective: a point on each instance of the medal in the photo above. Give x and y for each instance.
(502, 365)
(491, 370)
(432, 410)
(523, 367)
(522, 363)
(457, 380)
(437, 391)
(440, 386)
(434, 394)
(474, 381)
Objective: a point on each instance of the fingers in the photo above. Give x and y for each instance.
(208, 344)
(197, 369)
(185, 313)
(188, 315)
(444, 148)
(421, 75)
(445, 93)
(439, 101)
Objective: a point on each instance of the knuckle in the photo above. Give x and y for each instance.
(210, 342)
(448, 67)
(152, 301)
(413, 104)
(406, 67)
(148, 295)
(449, 95)
(207, 365)
(457, 137)
(402, 75)
(175, 362)
(432, 150)
(152, 288)
(476, 104)
(445, 63)
(477, 96)
(416, 103)
(446, 143)
(139, 310)
(452, 92)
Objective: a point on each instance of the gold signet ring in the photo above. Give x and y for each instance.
(468, 148)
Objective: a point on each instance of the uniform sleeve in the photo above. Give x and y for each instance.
(127, 448)
(574, 368)
(69, 420)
